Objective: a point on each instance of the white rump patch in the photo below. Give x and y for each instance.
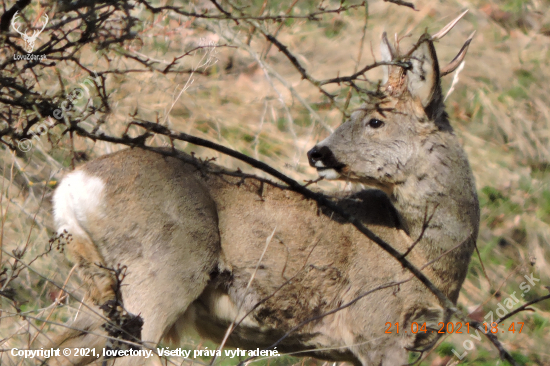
(78, 196)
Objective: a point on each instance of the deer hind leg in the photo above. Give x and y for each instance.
(100, 282)
(170, 249)
(163, 293)
(161, 300)
(76, 202)
(88, 330)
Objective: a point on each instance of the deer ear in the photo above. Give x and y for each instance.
(388, 54)
(423, 77)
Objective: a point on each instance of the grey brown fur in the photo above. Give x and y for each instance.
(192, 237)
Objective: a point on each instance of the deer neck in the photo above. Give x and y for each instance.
(439, 207)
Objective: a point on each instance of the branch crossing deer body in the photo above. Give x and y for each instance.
(192, 234)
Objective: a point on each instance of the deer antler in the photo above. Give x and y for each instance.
(462, 53)
(458, 58)
(448, 27)
(37, 32)
(15, 16)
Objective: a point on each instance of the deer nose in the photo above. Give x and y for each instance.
(318, 154)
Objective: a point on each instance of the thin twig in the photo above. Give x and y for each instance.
(402, 3)
(524, 307)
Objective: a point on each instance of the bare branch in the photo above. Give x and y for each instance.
(524, 307)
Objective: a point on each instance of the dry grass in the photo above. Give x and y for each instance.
(260, 106)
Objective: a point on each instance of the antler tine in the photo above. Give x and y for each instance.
(45, 22)
(448, 27)
(458, 58)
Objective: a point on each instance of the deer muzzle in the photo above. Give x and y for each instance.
(322, 158)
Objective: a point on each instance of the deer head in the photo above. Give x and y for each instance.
(29, 40)
(381, 142)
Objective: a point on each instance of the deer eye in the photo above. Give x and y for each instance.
(375, 123)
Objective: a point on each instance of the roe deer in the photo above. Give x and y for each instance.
(191, 235)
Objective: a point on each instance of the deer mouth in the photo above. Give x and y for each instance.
(329, 173)
(322, 159)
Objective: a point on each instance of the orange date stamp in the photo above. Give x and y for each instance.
(458, 328)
